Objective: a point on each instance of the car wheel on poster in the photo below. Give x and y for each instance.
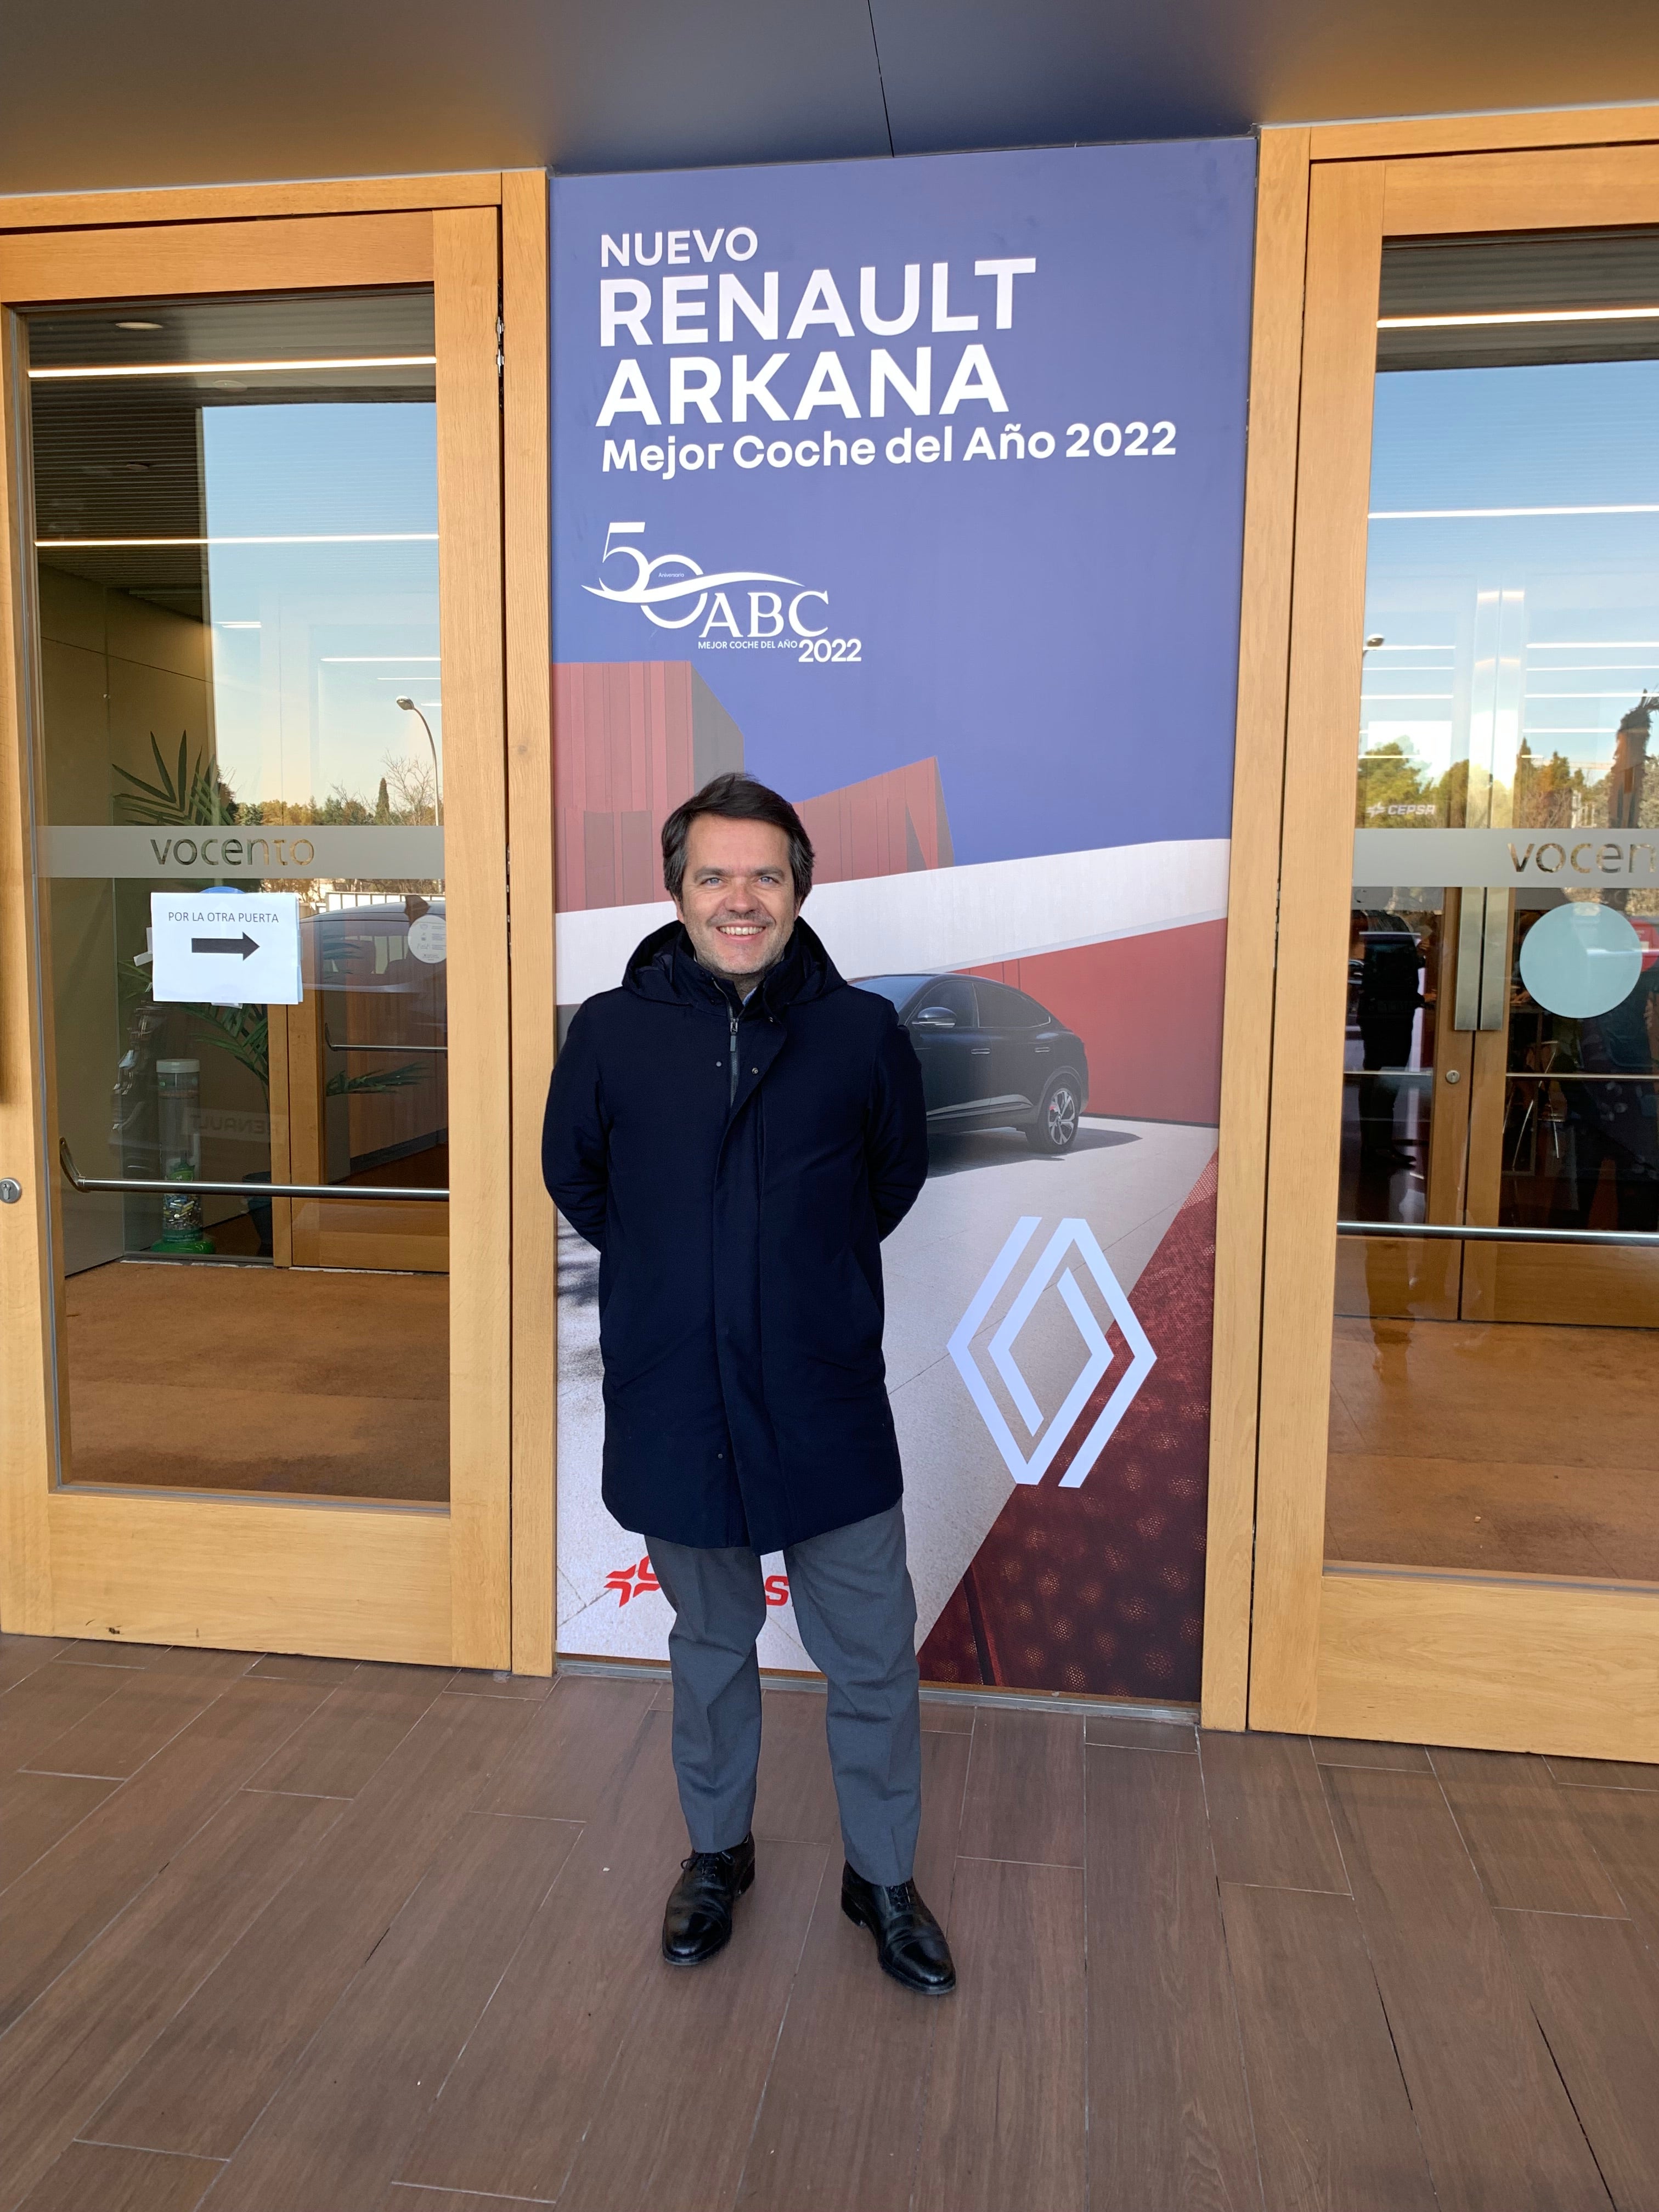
(1054, 1130)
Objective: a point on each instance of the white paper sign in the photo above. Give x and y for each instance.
(226, 949)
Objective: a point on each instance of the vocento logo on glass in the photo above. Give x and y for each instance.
(1072, 1234)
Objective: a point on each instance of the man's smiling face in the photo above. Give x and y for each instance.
(737, 899)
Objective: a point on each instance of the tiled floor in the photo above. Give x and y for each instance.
(311, 1937)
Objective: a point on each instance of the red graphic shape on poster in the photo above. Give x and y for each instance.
(634, 739)
(1100, 1590)
(632, 1582)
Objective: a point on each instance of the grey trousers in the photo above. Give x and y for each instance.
(857, 1615)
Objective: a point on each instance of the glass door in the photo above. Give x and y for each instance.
(1477, 1513)
(244, 594)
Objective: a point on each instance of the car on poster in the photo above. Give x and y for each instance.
(991, 1058)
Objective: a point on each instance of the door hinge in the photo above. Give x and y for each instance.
(501, 352)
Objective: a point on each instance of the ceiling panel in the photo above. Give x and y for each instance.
(1000, 72)
(103, 93)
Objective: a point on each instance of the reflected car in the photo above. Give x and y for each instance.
(991, 1058)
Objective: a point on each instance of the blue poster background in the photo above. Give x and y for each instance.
(1061, 634)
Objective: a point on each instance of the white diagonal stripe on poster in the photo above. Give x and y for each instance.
(957, 917)
(1141, 1362)
(961, 1345)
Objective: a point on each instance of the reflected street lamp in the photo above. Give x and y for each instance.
(409, 707)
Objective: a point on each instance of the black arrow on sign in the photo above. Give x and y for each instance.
(244, 945)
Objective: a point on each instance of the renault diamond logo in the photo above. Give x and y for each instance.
(1072, 1233)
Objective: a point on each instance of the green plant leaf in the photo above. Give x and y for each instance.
(183, 799)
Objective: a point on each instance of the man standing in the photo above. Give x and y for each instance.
(735, 1130)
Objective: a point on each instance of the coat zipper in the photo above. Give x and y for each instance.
(732, 1094)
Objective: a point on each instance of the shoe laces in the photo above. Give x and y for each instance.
(707, 1859)
(902, 1893)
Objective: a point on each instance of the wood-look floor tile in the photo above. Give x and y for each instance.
(296, 1667)
(47, 1704)
(1129, 1732)
(563, 1764)
(52, 1911)
(340, 2126)
(402, 2196)
(203, 1659)
(124, 1731)
(533, 2074)
(1169, 2117)
(1594, 1988)
(36, 1810)
(1603, 1774)
(855, 2150)
(1495, 2121)
(1025, 1796)
(20, 1656)
(1355, 1750)
(671, 2129)
(61, 2061)
(113, 1651)
(945, 1716)
(795, 1798)
(1623, 1826)
(270, 1993)
(478, 1682)
(1005, 2122)
(1267, 1813)
(108, 2178)
(161, 1658)
(354, 1733)
(944, 1765)
(1333, 2124)
(1528, 1849)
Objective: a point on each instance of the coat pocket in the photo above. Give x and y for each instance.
(832, 1315)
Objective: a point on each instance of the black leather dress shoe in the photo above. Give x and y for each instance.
(910, 1944)
(697, 1921)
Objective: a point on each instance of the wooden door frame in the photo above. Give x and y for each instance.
(1506, 1662)
(473, 1586)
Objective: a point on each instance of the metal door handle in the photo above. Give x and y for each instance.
(980, 1052)
(1466, 1232)
(1483, 931)
(256, 1190)
(328, 1039)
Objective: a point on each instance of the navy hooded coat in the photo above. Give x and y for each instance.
(737, 1166)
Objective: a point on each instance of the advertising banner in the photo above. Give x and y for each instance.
(916, 490)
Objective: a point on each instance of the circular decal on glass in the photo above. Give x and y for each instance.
(425, 938)
(1581, 959)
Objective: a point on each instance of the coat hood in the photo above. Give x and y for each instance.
(664, 967)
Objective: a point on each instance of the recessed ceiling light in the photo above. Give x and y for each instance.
(137, 326)
(1530, 315)
(237, 368)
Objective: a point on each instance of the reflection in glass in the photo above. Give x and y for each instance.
(1492, 1402)
(237, 596)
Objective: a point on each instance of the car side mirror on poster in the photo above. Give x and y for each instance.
(934, 1018)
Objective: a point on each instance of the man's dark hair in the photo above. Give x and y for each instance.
(735, 797)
